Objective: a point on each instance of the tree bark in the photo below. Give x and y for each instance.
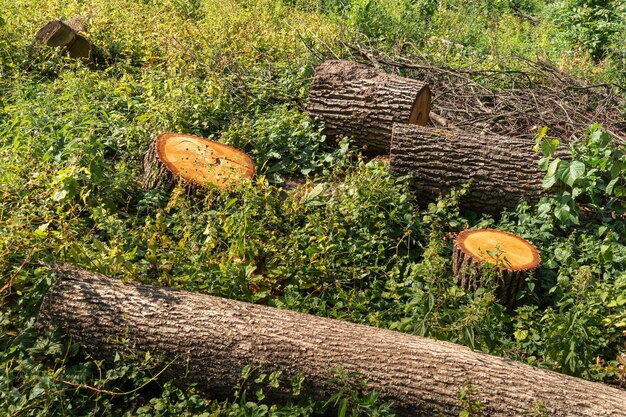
(364, 102)
(67, 36)
(504, 170)
(494, 257)
(210, 339)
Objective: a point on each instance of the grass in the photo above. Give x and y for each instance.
(352, 243)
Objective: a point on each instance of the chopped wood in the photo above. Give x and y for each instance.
(363, 102)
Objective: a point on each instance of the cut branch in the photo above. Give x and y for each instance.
(208, 341)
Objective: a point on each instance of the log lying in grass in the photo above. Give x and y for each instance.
(66, 35)
(198, 161)
(504, 170)
(210, 339)
(364, 102)
(485, 255)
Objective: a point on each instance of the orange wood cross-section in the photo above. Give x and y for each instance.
(503, 249)
(202, 161)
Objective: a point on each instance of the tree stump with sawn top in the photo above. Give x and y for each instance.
(501, 258)
(68, 36)
(198, 161)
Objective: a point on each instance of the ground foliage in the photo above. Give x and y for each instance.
(351, 243)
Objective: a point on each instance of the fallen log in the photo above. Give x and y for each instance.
(504, 170)
(494, 257)
(364, 102)
(198, 161)
(66, 35)
(208, 341)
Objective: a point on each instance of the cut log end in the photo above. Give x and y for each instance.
(502, 249)
(196, 160)
(420, 112)
(486, 256)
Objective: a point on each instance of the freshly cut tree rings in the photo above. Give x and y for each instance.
(513, 258)
(197, 160)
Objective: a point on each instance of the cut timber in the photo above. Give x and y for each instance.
(504, 170)
(364, 102)
(67, 36)
(505, 259)
(209, 340)
(196, 160)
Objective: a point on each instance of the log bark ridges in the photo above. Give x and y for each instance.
(67, 35)
(211, 339)
(363, 103)
(486, 256)
(198, 161)
(504, 170)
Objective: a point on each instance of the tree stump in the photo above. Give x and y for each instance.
(67, 36)
(487, 256)
(198, 161)
(504, 170)
(364, 102)
(208, 340)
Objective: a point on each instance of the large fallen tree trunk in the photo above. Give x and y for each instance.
(504, 170)
(210, 339)
(364, 102)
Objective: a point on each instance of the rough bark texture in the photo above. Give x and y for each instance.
(364, 102)
(210, 340)
(504, 170)
(67, 36)
(475, 266)
(155, 173)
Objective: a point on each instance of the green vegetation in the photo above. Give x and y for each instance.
(351, 244)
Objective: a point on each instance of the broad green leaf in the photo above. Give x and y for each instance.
(549, 146)
(549, 181)
(553, 166)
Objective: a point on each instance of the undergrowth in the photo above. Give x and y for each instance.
(350, 242)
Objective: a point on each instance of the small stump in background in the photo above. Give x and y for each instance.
(478, 254)
(68, 36)
(198, 161)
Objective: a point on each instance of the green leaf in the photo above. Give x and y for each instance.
(549, 146)
(569, 172)
(553, 166)
(59, 195)
(611, 185)
(548, 181)
(563, 213)
(521, 335)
